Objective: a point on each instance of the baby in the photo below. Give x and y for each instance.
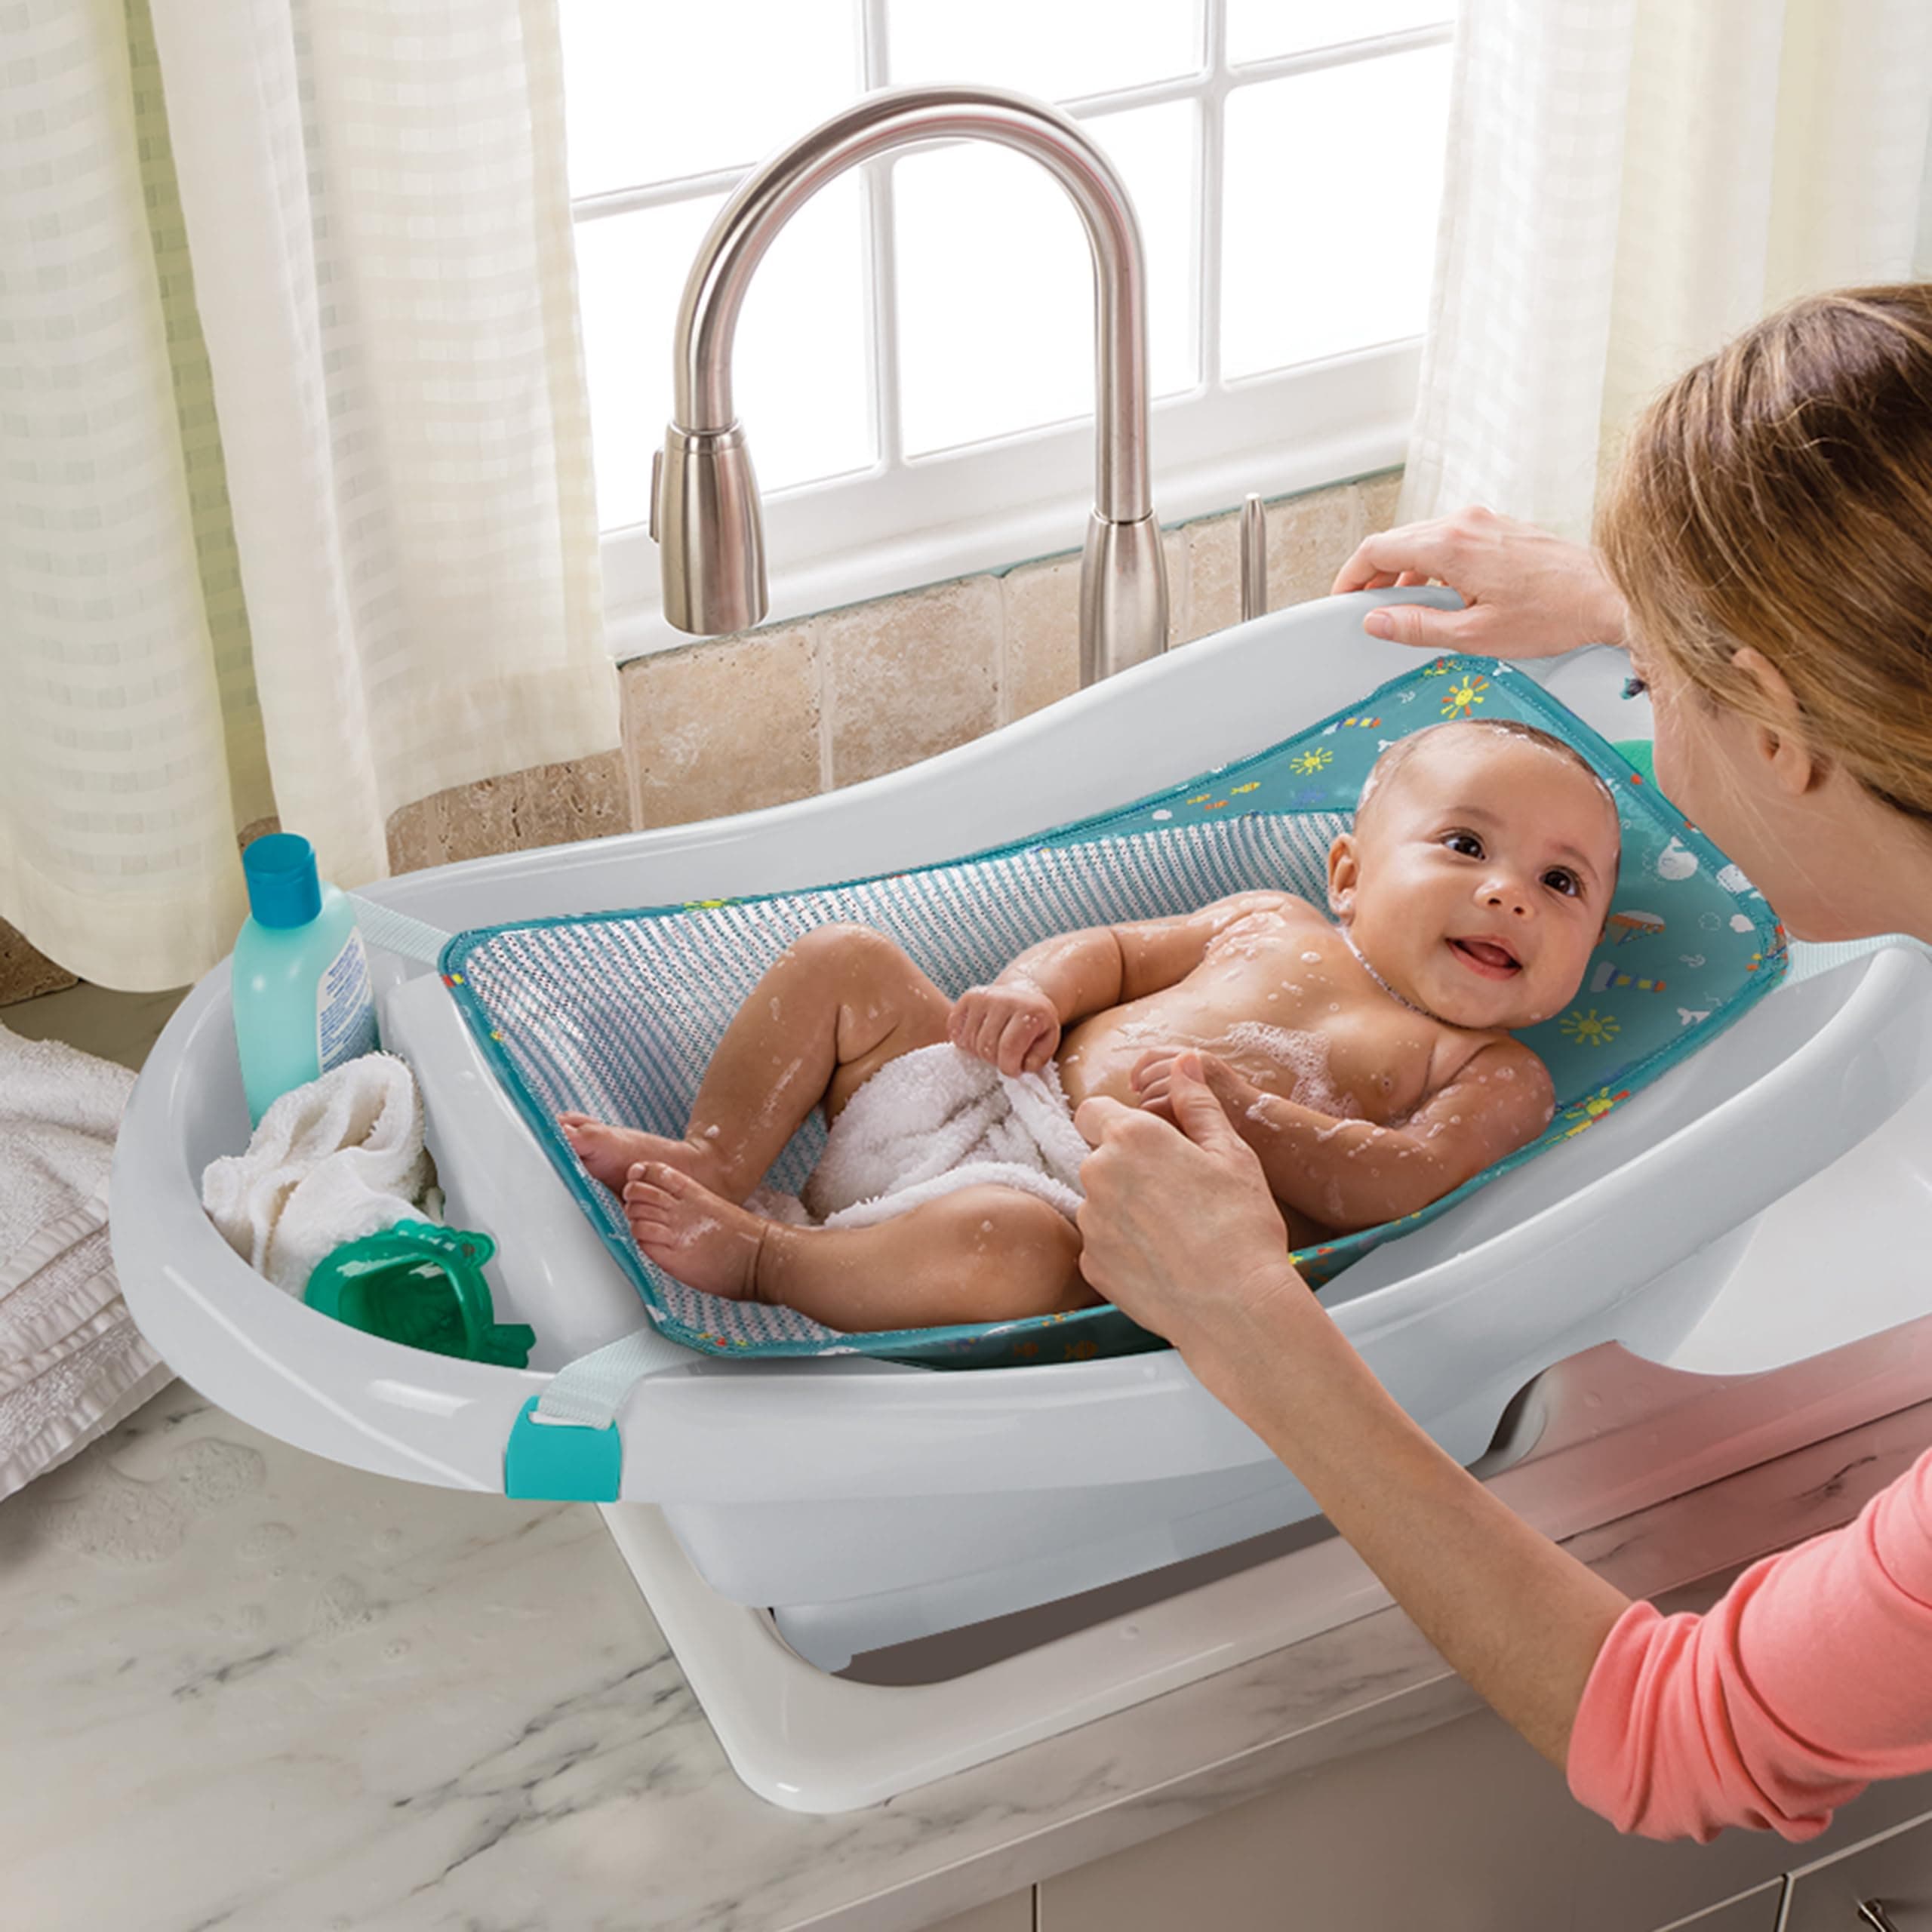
(1368, 1061)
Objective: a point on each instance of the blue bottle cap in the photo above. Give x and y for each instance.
(283, 888)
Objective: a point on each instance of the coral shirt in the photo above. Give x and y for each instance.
(1811, 1677)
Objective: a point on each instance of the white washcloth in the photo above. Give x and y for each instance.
(332, 1160)
(930, 1121)
(72, 1362)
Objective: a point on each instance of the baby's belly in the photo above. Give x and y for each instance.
(1097, 1057)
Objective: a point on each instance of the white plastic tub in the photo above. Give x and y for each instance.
(867, 1503)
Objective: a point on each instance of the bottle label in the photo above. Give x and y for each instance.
(345, 1009)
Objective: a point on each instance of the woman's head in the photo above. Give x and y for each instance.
(1770, 527)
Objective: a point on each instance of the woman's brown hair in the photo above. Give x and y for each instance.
(1779, 494)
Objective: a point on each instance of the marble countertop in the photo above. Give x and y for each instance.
(246, 1687)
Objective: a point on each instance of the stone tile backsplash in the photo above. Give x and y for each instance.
(731, 725)
(723, 725)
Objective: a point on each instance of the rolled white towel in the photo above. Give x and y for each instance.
(337, 1158)
(933, 1121)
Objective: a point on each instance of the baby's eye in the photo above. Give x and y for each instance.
(1465, 842)
(1563, 881)
(1634, 686)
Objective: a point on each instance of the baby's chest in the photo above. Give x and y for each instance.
(1300, 1027)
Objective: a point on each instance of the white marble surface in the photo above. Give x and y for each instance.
(245, 1687)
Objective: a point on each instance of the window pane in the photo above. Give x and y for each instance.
(1060, 51)
(800, 367)
(996, 285)
(1333, 180)
(1258, 28)
(658, 91)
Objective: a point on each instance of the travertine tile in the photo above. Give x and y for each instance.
(1174, 548)
(725, 727)
(546, 804)
(415, 835)
(1041, 624)
(25, 973)
(1310, 537)
(1379, 495)
(1214, 576)
(910, 676)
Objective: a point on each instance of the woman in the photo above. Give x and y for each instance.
(1766, 553)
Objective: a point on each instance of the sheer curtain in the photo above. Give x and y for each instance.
(298, 515)
(1628, 183)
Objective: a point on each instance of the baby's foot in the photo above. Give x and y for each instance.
(609, 1153)
(692, 1233)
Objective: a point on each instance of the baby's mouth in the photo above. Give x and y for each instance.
(1486, 957)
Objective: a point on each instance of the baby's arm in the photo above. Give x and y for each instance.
(1015, 1022)
(1349, 1174)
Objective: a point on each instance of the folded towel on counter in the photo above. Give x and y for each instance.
(332, 1160)
(72, 1362)
(930, 1121)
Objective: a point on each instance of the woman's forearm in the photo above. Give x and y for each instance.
(1517, 1617)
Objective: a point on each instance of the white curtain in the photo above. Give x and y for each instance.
(296, 507)
(1629, 183)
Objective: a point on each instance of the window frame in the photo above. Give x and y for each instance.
(991, 505)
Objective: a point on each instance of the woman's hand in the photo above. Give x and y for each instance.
(1528, 594)
(1179, 1228)
(1152, 1077)
(1011, 1023)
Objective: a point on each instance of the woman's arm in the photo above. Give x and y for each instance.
(1521, 1619)
(1812, 1676)
(1516, 1616)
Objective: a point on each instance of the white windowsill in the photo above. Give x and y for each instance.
(1352, 420)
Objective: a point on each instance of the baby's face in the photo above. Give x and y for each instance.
(1478, 883)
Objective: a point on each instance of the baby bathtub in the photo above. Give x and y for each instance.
(867, 1503)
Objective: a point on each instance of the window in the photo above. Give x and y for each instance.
(914, 364)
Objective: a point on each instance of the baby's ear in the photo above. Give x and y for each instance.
(1343, 869)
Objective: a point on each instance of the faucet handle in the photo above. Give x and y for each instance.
(1253, 558)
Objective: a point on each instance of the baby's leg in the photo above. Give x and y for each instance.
(982, 1253)
(831, 1010)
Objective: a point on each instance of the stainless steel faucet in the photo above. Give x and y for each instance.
(704, 501)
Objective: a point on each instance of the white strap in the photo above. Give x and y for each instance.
(397, 932)
(1808, 960)
(592, 1389)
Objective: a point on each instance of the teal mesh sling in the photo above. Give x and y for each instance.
(616, 1015)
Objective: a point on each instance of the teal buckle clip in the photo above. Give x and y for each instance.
(562, 1462)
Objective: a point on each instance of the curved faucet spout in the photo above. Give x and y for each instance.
(705, 507)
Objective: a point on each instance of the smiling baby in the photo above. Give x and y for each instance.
(1367, 1057)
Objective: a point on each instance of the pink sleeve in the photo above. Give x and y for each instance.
(1811, 1677)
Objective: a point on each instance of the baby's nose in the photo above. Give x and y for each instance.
(1506, 893)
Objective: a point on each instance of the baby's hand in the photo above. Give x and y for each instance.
(1153, 1072)
(1010, 1023)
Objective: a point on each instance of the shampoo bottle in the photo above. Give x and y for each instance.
(299, 979)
